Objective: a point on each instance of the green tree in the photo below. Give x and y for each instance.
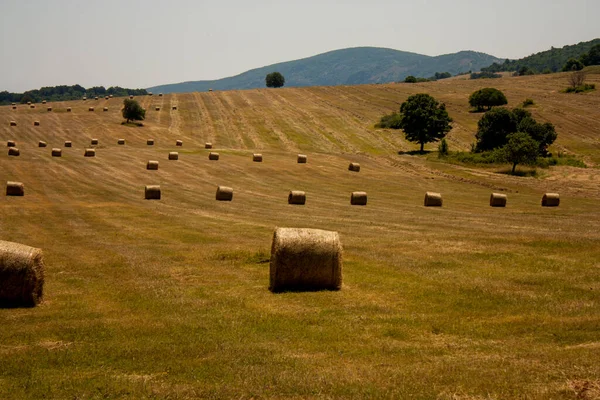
(424, 119)
(592, 57)
(520, 148)
(487, 97)
(275, 80)
(443, 148)
(132, 111)
(573, 65)
(410, 79)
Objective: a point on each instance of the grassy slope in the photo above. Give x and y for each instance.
(169, 299)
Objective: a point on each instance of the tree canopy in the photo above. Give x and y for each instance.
(424, 119)
(487, 97)
(65, 93)
(132, 111)
(274, 80)
(520, 148)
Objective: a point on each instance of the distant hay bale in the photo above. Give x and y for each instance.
(156, 108)
(256, 157)
(551, 200)
(110, 96)
(68, 109)
(130, 97)
(152, 192)
(106, 97)
(36, 123)
(213, 156)
(305, 260)
(13, 151)
(173, 155)
(354, 167)
(150, 142)
(13, 123)
(43, 101)
(14, 107)
(49, 109)
(84, 98)
(302, 158)
(13, 104)
(433, 199)
(90, 153)
(297, 197)
(41, 143)
(498, 200)
(179, 143)
(91, 109)
(96, 98)
(174, 107)
(152, 165)
(10, 143)
(224, 193)
(149, 93)
(160, 95)
(94, 142)
(56, 152)
(208, 145)
(15, 189)
(68, 143)
(32, 106)
(105, 109)
(358, 199)
(121, 141)
(210, 90)
(28, 103)
(21, 275)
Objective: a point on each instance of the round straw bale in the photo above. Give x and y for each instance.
(174, 107)
(95, 97)
(433, 199)
(13, 123)
(210, 90)
(90, 153)
(41, 143)
(10, 143)
(32, 106)
(149, 93)
(36, 123)
(15, 189)
(358, 199)
(224, 193)
(84, 98)
(13, 151)
(213, 156)
(68, 143)
(179, 143)
(156, 108)
(354, 167)
(160, 95)
(297, 197)
(110, 96)
(13, 104)
(550, 200)
(21, 275)
(301, 158)
(150, 142)
(498, 200)
(121, 141)
(173, 155)
(14, 107)
(153, 165)
(105, 109)
(56, 152)
(208, 145)
(130, 97)
(305, 259)
(43, 101)
(49, 109)
(28, 103)
(68, 109)
(106, 97)
(94, 141)
(152, 192)
(91, 109)
(256, 157)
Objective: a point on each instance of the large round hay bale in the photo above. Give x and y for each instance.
(354, 167)
(179, 143)
(173, 155)
(41, 143)
(433, 199)
(91, 109)
(13, 123)
(224, 193)
(36, 123)
(152, 192)
(14, 107)
(68, 143)
(95, 97)
(13, 104)
(106, 97)
(550, 200)
(110, 96)
(43, 101)
(150, 142)
(21, 275)
(84, 98)
(302, 158)
(130, 97)
(174, 107)
(297, 197)
(121, 141)
(149, 93)
(213, 156)
(105, 109)
(13, 151)
(257, 157)
(358, 199)
(94, 142)
(32, 106)
(498, 200)
(68, 109)
(156, 108)
(208, 145)
(56, 152)
(152, 165)
(90, 153)
(11, 143)
(15, 188)
(160, 95)
(28, 103)
(49, 109)
(305, 259)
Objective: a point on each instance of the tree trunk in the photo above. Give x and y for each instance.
(513, 168)
(422, 146)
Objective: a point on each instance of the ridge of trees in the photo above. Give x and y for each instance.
(65, 93)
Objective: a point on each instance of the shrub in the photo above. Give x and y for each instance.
(390, 121)
(443, 148)
(586, 87)
(485, 75)
(487, 97)
(528, 102)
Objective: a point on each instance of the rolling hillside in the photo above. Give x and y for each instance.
(352, 66)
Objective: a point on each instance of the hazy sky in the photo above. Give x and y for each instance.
(142, 43)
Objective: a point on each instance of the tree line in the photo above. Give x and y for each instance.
(65, 93)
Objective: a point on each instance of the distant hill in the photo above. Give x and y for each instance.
(550, 60)
(359, 65)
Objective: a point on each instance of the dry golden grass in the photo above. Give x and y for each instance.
(170, 299)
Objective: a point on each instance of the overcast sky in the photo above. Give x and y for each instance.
(142, 43)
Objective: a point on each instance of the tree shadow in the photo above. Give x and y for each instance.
(520, 172)
(413, 152)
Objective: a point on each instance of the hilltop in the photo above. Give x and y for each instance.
(353, 66)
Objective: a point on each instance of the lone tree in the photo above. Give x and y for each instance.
(573, 65)
(275, 80)
(424, 119)
(519, 149)
(132, 111)
(487, 97)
